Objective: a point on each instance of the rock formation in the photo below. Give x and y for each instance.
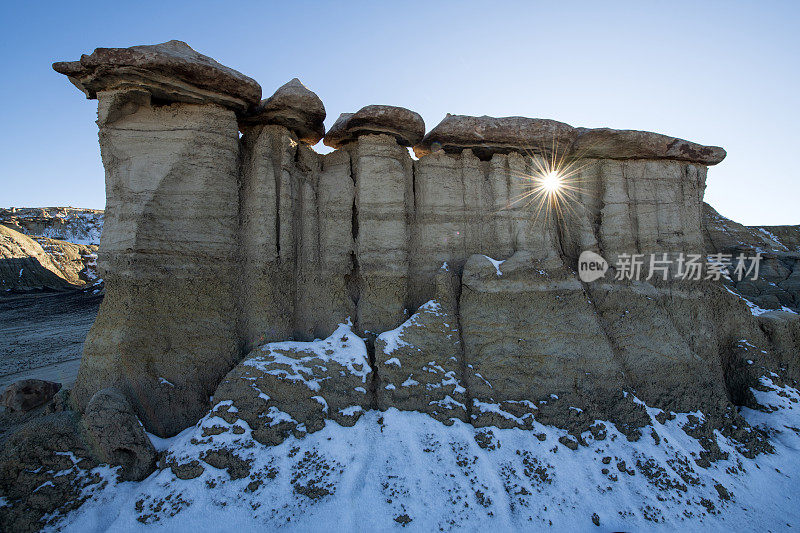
(215, 245)
(274, 288)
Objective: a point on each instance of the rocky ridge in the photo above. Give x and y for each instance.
(269, 291)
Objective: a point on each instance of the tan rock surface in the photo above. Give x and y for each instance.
(25, 265)
(168, 332)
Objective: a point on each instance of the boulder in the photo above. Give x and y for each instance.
(170, 71)
(605, 143)
(117, 435)
(486, 136)
(44, 467)
(28, 394)
(404, 125)
(294, 106)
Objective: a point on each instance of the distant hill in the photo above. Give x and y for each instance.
(79, 226)
(51, 248)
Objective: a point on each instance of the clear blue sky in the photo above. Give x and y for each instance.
(724, 73)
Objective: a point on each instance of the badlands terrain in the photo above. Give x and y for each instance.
(370, 339)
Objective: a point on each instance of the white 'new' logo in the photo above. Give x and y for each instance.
(591, 266)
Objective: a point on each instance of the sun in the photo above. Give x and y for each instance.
(551, 182)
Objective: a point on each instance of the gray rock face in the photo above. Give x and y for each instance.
(777, 284)
(294, 107)
(405, 126)
(28, 394)
(530, 332)
(117, 435)
(170, 71)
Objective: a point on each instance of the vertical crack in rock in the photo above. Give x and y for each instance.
(353, 278)
(462, 360)
(509, 187)
(277, 176)
(241, 252)
(631, 205)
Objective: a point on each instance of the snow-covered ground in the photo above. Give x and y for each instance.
(398, 469)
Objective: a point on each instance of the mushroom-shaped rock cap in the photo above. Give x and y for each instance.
(489, 135)
(404, 125)
(632, 144)
(294, 106)
(170, 71)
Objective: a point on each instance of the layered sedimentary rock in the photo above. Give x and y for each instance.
(170, 145)
(455, 271)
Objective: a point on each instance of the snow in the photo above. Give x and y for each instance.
(754, 309)
(410, 382)
(393, 361)
(351, 411)
(393, 339)
(322, 402)
(398, 466)
(343, 347)
(496, 264)
(68, 224)
(771, 236)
